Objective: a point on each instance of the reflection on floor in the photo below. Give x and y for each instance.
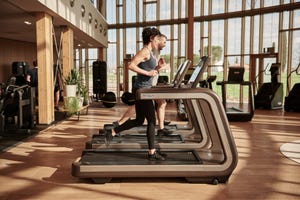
(40, 166)
(12, 136)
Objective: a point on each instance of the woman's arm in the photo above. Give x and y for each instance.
(141, 56)
(162, 65)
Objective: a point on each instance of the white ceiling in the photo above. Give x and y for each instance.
(12, 26)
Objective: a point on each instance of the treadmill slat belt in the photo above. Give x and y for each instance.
(180, 157)
(143, 127)
(138, 138)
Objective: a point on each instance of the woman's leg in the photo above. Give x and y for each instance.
(149, 112)
(161, 110)
(148, 109)
(144, 109)
(138, 121)
(130, 112)
(161, 107)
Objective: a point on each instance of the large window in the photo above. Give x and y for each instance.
(218, 6)
(150, 11)
(270, 37)
(227, 31)
(271, 3)
(111, 60)
(256, 34)
(234, 37)
(131, 11)
(165, 9)
(234, 5)
(111, 12)
(217, 42)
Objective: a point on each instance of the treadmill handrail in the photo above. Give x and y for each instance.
(170, 93)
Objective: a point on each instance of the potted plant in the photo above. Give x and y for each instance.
(72, 102)
(84, 93)
(72, 82)
(72, 105)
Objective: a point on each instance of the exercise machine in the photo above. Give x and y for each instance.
(213, 164)
(99, 79)
(109, 99)
(195, 78)
(270, 95)
(238, 112)
(292, 100)
(138, 140)
(17, 102)
(179, 76)
(208, 82)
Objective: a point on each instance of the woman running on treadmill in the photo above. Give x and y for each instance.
(160, 103)
(146, 66)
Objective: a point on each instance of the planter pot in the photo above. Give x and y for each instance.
(72, 104)
(80, 101)
(85, 101)
(70, 90)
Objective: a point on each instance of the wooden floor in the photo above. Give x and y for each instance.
(40, 167)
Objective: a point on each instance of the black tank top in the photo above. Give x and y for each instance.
(143, 81)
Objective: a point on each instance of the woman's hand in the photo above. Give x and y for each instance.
(162, 64)
(152, 73)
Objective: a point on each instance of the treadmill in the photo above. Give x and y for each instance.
(238, 112)
(127, 139)
(194, 80)
(213, 164)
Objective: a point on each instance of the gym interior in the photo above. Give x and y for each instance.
(232, 91)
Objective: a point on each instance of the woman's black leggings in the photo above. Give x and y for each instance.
(144, 109)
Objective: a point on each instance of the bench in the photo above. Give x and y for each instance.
(78, 112)
(86, 108)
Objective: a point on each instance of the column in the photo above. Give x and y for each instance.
(67, 51)
(190, 40)
(44, 42)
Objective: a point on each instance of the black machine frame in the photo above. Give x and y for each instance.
(270, 95)
(18, 100)
(292, 100)
(238, 113)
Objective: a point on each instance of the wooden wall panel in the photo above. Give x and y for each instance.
(12, 50)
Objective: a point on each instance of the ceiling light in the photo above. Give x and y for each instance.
(90, 17)
(96, 24)
(27, 22)
(101, 28)
(72, 2)
(82, 10)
